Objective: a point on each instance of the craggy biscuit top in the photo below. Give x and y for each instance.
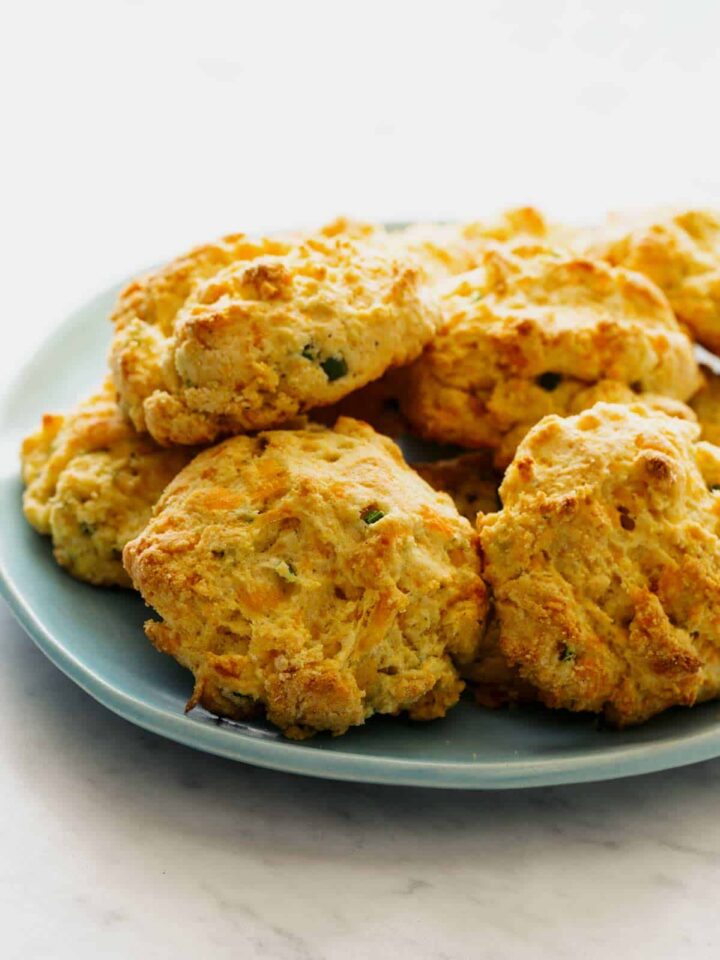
(271, 334)
(91, 482)
(156, 298)
(680, 252)
(145, 312)
(604, 563)
(447, 249)
(313, 572)
(534, 331)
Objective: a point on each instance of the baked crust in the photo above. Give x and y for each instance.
(604, 563)
(243, 335)
(679, 250)
(534, 332)
(91, 483)
(312, 573)
(447, 249)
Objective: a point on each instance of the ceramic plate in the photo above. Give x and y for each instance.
(96, 638)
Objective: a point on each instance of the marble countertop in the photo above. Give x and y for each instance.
(117, 843)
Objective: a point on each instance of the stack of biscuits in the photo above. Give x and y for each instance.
(239, 468)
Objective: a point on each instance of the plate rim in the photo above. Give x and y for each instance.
(227, 740)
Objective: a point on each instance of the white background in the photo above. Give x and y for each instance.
(133, 130)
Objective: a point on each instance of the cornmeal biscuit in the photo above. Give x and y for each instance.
(604, 563)
(677, 250)
(146, 311)
(534, 332)
(447, 249)
(91, 483)
(706, 404)
(276, 331)
(312, 572)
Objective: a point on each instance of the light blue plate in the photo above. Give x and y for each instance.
(95, 637)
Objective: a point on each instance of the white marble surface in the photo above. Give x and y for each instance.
(134, 129)
(118, 844)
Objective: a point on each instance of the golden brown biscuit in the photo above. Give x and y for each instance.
(677, 250)
(534, 332)
(312, 572)
(604, 563)
(469, 480)
(91, 482)
(447, 249)
(145, 313)
(274, 332)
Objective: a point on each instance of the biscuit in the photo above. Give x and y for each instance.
(677, 250)
(146, 311)
(447, 249)
(604, 563)
(91, 482)
(313, 573)
(280, 328)
(534, 332)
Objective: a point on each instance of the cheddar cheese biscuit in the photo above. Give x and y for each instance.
(535, 331)
(311, 572)
(679, 250)
(604, 563)
(447, 249)
(282, 327)
(91, 482)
